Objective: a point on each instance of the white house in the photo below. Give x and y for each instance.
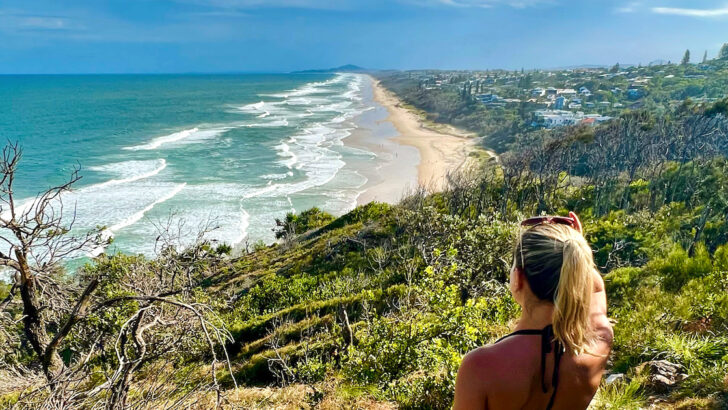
(555, 118)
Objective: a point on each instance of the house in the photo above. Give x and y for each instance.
(538, 92)
(589, 105)
(567, 92)
(584, 91)
(560, 102)
(594, 119)
(634, 93)
(574, 106)
(488, 98)
(605, 104)
(552, 91)
(555, 118)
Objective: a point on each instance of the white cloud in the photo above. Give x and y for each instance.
(691, 12)
(629, 7)
(14, 20)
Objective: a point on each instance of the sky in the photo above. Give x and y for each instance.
(179, 36)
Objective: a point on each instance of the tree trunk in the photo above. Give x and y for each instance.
(33, 324)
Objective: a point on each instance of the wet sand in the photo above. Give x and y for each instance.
(409, 151)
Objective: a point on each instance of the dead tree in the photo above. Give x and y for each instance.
(35, 240)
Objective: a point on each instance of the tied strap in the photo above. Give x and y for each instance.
(547, 336)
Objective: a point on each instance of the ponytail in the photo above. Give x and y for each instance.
(573, 296)
(559, 268)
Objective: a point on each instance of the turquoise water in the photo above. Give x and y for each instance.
(233, 151)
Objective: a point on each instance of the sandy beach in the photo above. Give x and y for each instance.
(413, 153)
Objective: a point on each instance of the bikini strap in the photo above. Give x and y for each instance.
(529, 332)
(547, 336)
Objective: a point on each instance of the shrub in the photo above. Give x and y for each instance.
(298, 224)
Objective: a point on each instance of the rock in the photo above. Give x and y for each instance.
(616, 377)
(662, 376)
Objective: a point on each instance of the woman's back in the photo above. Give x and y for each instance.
(557, 356)
(513, 379)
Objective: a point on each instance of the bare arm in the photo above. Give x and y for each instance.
(469, 386)
(598, 309)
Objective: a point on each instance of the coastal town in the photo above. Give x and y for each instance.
(547, 99)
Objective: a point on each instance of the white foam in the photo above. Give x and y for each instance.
(274, 176)
(272, 124)
(134, 218)
(138, 169)
(159, 141)
(192, 135)
(140, 214)
(243, 228)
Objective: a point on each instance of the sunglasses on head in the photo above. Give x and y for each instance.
(560, 220)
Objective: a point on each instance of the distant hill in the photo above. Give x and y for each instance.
(346, 68)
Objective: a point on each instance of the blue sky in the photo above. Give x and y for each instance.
(129, 36)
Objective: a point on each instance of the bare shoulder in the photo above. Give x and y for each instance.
(477, 360)
(496, 364)
(471, 385)
(481, 373)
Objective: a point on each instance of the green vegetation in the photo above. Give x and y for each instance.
(377, 307)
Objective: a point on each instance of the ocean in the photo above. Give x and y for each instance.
(188, 151)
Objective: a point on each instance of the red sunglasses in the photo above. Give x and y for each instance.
(538, 220)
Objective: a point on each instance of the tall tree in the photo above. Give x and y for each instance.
(686, 58)
(614, 69)
(723, 52)
(705, 57)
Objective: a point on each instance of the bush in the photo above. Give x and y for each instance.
(677, 268)
(298, 224)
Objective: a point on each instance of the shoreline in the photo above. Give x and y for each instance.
(438, 152)
(394, 170)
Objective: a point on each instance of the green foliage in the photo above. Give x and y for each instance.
(723, 54)
(307, 220)
(621, 395)
(259, 245)
(677, 268)
(311, 371)
(720, 107)
(686, 58)
(224, 249)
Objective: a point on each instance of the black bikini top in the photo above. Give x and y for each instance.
(547, 336)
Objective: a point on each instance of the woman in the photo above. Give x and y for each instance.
(556, 356)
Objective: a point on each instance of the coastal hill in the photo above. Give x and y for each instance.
(376, 308)
(348, 68)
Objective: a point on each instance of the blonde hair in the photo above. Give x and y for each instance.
(559, 267)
